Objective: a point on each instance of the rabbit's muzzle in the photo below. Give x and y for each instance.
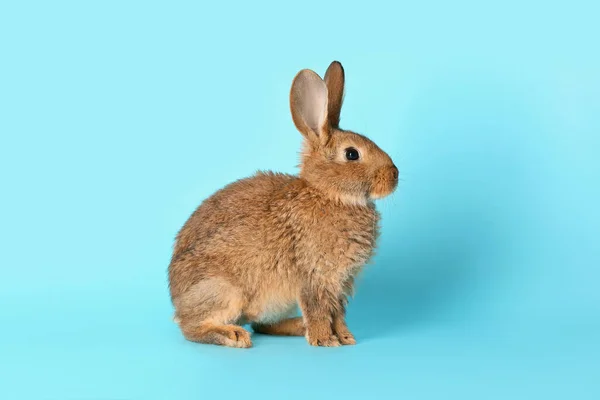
(384, 182)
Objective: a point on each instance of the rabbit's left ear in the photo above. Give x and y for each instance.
(334, 79)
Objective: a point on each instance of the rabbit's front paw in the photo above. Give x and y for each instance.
(346, 338)
(342, 332)
(324, 341)
(320, 334)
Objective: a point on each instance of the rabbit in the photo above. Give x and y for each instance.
(262, 246)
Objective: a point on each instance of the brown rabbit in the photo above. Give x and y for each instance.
(262, 245)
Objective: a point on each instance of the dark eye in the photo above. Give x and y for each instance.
(352, 154)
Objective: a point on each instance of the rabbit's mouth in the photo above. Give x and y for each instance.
(384, 183)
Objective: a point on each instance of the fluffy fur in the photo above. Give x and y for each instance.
(262, 245)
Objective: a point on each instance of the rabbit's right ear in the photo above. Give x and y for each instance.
(308, 103)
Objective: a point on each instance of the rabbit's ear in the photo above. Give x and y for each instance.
(308, 103)
(334, 79)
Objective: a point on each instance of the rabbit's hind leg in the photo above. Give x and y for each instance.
(208, 312)
(286, 327)
(220, 334)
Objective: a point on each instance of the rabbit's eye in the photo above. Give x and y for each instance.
(352, 154)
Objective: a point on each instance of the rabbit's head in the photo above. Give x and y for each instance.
(345, 165)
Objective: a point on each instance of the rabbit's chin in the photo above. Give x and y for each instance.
(379, 192)
(353, 199)
(382, 190)
(377, 196)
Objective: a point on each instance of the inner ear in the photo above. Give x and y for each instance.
(314, 105)
(308, 103)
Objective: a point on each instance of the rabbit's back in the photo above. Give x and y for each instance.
(232, 234)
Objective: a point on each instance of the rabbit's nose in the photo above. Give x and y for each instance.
(394, 172)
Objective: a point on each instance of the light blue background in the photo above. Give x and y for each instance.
(118, 118)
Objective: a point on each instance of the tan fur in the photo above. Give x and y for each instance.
(262, 245)
(285, 327)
